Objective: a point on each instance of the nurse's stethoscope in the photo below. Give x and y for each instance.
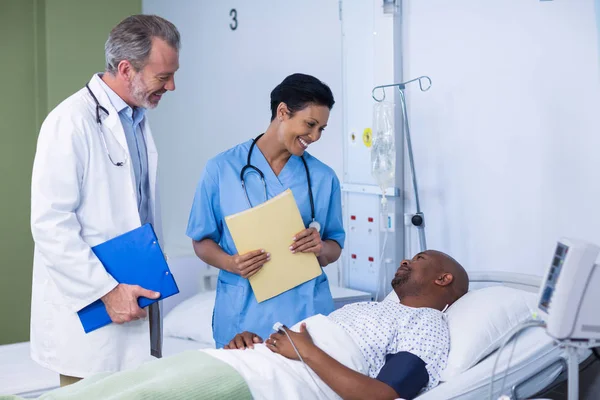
(314, 224)
(99, 121)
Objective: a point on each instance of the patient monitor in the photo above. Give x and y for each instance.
(569, 297)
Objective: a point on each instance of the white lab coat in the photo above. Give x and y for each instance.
(78, 200)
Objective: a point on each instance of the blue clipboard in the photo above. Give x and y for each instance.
(133, 258)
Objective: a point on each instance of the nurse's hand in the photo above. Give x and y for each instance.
(121, 302)
(248, 264)
(243, 340)
(307, 241)
(280, 343)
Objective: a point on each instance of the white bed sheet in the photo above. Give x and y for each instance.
(534, 351)
(20, 375)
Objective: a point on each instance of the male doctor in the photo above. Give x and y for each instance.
(94, 178)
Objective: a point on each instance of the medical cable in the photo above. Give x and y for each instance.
(512, 351)
(516, 331)
(382, 275)
(279, 328)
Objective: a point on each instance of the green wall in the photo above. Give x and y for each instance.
(48, 50)
(17, 140)
(76, 31)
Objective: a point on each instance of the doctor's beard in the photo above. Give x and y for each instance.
(140, 94)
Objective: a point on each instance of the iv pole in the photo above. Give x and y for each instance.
(418, 219)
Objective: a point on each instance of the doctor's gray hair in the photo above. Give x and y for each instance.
(131, 40)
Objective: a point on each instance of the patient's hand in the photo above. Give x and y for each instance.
(280, 344)
(243, 340)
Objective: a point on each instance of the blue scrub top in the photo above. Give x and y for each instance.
(219, 194)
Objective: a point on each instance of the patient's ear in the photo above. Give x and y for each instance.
(444, 279)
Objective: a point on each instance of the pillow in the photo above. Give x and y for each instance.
(192, 318)
(480, 321)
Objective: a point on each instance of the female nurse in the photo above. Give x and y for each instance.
(269, 164)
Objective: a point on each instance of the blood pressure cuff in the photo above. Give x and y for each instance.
(405, 373)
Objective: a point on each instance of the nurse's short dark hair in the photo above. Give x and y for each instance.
(297, 91)
(131, 40)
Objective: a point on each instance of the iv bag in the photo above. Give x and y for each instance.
(383, 149)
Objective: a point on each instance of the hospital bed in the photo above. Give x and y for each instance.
(537, 362)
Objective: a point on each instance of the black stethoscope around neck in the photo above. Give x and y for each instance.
(249, 167)
(99, 121)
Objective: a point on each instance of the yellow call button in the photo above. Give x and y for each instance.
(368, 137)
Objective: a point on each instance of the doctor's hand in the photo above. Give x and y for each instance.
(243, 340)
(280, 344)
(307, 241)
(121, 302)
(248, 264)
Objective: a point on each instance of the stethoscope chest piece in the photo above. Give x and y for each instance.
(315, 225)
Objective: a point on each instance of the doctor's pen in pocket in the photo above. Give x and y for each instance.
(247, 264)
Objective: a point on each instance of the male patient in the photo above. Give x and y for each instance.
(395, 348)
(398, 339)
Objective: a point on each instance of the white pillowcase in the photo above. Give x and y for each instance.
(480, 321)
(192, 319)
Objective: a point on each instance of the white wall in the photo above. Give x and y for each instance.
(506, 141)
(224, 83)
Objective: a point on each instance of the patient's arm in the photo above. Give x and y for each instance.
(347, 383)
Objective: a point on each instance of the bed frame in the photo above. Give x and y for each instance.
(529, 283)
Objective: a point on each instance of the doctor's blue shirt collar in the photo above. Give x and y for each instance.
(121, 106)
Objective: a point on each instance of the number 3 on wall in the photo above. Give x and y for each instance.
(234, 24)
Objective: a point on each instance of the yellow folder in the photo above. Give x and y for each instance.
(271, 226)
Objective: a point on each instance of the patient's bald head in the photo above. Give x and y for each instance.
(431, 279)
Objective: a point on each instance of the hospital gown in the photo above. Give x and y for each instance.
(389, 327)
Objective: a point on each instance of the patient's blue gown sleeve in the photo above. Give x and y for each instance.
(405, 373)
(205, 216)
(334, 224)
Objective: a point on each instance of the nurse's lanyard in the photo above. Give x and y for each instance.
(249, 166)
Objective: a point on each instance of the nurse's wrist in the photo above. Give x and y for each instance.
(322, 256)
(323, 250)
(229, 264)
